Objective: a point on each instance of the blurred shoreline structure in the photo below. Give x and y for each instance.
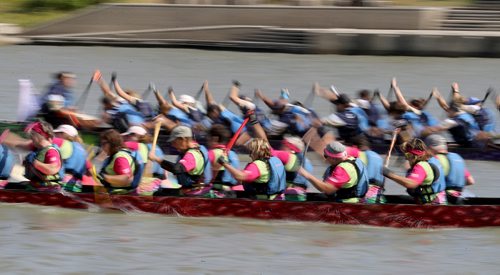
(375, 29)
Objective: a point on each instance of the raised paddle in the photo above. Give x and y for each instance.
(231, 143)
(488, 92)
(198, 94)
(80, 103)
(427, 100)
(393, 141)
(149, 164)
(309, 100)
(151, 87)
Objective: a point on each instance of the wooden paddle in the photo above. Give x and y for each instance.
(309, 100)
(149, 164)
(393, 142)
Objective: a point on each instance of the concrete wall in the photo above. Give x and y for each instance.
(108, 18)
(430, 43)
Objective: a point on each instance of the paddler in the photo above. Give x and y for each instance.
(192, 168)
(345, 180)
(425, 179)
(456, 174)
(264, 177)
(137, 139)
(223, 182)
(122, 170)
(73, 155)
(44, 163)
(63, 85)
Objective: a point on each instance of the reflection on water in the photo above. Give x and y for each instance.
(55, 240)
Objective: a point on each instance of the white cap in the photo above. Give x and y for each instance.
(55, 98)
(67, 129)
(187, 99)
(138, 130)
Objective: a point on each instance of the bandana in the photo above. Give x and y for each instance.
(416, 152)
(37, 128)
(291, 146)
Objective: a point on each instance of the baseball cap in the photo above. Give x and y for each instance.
(138, 130)
(335, 150)
(436, 142)
(67, 129)
(180, 132)
(187, 99)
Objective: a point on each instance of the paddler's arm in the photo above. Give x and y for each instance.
(173, 167)
(233, 94)
(47, 168)
(209, 98)
(324, 93)
(238, 174)
(268, 101)
(404, 181)
(118, 180)
(105, 89)
(319, 184)
(176, 103)
(130, 99)
(401, 99)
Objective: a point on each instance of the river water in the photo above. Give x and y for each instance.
(53, 240)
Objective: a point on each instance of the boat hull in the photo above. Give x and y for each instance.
(385, 215)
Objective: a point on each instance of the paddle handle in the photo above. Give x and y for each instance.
(393, 141)
(231, 143)
(156, 133)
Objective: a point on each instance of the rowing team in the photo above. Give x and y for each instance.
(469, 122)
(354, 174)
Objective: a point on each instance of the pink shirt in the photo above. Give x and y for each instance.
(188, 161)
(52, 157)
(284, 156)
(132, 145)
(122, 166)
(58, 141)
(211, 153)
(338, 177)
(417, 174)
(252, 172)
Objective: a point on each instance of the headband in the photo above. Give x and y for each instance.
(37, 128)
(291, 146)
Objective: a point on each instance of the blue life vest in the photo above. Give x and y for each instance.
(356, 191)
(374, 167)
(297, 178)
(156, 167)
(485, 120)
(6, 162)
(187, 180)
(455, 179)
(439, 184)
(138, 167)
(179, 115)
(234, 120)
(76, 163)
(133, 116)
(415, 121)
(427, 193)
(363, 123)
(145, 109)
(466, 129)
(277, 179)
(351, 129)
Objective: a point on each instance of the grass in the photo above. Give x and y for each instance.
(11, 10)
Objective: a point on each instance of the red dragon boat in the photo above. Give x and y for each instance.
(477, 212)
